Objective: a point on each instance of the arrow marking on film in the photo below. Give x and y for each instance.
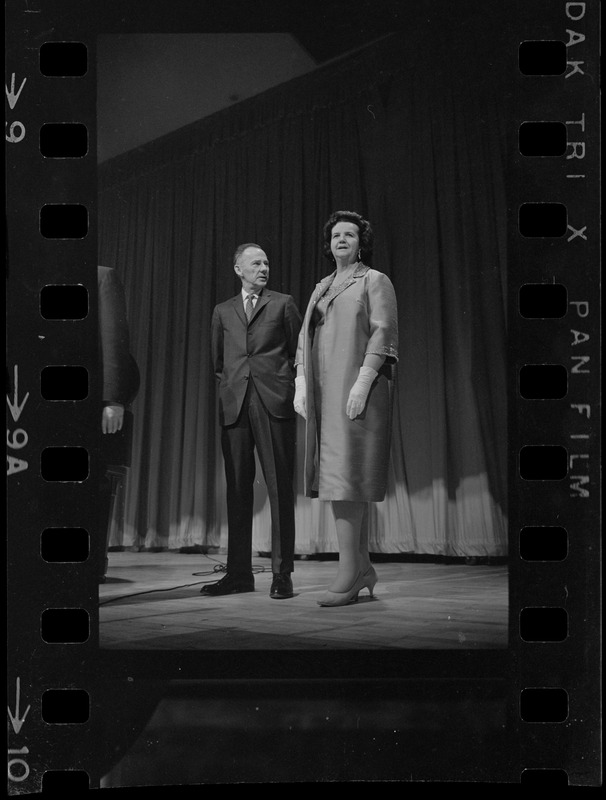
(16, 720)
(11, 96)
(16, 407)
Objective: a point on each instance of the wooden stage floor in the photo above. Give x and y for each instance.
(152, 601)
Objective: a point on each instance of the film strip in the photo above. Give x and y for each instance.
(556, 380)
(55, 694)
(51, 360)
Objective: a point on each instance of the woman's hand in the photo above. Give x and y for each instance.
(359, 392)
(300, 403)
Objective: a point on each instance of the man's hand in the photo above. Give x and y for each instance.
(359, 392)
(112, 418)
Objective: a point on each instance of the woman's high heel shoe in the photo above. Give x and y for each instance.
(368, 580)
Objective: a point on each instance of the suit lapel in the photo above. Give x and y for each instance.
(262, 301)
(239, 309)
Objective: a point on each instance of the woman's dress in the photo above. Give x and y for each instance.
(348, 459)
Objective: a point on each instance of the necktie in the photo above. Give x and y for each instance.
(249, 306)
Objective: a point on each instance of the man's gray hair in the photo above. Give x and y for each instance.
(241, 248)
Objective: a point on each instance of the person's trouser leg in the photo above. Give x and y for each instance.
(275, 439)
(237, 444)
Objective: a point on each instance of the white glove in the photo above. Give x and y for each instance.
(359, 391)
(299, 402)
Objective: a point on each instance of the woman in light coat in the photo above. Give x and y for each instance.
(347, 351)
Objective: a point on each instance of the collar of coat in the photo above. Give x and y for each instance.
(360, 270)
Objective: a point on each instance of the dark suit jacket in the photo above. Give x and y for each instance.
(265, 349)
(120, 371)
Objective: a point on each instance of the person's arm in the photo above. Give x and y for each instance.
(115, 354)
(292, 326)
(216, 344)
(382, 343)
(358, 394)
(382, 317)
(374, 361)
(300, 399)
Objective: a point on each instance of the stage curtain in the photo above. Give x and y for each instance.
(410, 133)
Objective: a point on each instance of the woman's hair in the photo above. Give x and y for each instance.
(364, 231)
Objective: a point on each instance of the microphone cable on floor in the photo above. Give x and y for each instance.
(218, 568)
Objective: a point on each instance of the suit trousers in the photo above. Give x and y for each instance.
(275, 441)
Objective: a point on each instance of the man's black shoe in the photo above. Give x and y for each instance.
(281, 586)
(230, 584)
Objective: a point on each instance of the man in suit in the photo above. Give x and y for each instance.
(254, 341)
(119, 387)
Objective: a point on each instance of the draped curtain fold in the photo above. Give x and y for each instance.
(414, 146)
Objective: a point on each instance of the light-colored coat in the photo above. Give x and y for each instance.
(352, 458)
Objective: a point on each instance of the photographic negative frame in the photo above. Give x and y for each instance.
(530, 708)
